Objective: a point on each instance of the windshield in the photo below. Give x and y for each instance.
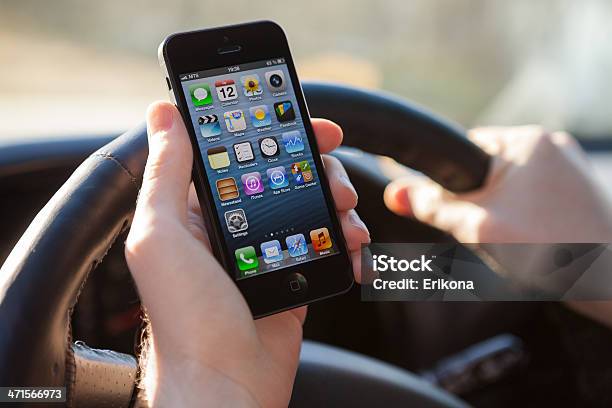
(69, 67)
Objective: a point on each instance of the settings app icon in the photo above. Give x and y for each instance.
(236, 220)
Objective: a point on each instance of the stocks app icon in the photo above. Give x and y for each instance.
(293, 141)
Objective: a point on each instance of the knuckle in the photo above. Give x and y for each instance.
(538, 132)
(139, 240)
(331, 162)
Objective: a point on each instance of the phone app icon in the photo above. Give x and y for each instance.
(226, 90)
(284, 111)
(301, 172)
(200, 94)
(260, 116)
(293, 141)
(236, 220)
(296, 245)
(243, 152)
(276, 80)
(320, 239)
(234, 120)
(277, 177)
(209, 125)
(218, 157)
(227, 189)
(251, 85)
(271, 251)
(269, 146)
(252, 183)
(246, 258)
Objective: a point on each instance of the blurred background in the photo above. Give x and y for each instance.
(90, 67)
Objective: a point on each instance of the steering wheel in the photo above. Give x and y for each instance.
(41, 279)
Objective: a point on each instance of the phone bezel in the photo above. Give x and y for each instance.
(193, 51)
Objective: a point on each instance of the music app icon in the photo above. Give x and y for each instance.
(251, 182)
(320, 239)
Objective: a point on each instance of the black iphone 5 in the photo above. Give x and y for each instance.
(257, 169)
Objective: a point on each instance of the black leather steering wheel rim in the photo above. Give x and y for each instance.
(43, 275)
(430, 144)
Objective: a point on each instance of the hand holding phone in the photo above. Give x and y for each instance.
(199, 321)
(257, 169)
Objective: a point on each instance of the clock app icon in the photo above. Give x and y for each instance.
(269, 146)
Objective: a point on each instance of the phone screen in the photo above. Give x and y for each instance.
(259, 164)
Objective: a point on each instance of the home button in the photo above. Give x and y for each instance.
(296, 284)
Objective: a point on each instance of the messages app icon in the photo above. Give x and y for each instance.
(293, 141)
(200, 94)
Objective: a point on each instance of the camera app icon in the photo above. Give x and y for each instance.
(276, 80)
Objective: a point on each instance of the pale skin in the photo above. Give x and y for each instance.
(206, 349)
(539, 190)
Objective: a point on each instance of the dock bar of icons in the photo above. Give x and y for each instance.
(272, 252)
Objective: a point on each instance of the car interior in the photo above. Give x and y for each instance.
(70, 314)
(70, 288)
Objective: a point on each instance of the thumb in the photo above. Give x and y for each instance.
(167, 174)
(420, 197)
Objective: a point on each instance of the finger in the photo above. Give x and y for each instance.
(356, 261)
(300, 313)
(362, 266)
(195, 220)
(328, 134)
(354, 230)
(355, 234)
(192, 201)
(167, 173)
(341, 187)
(428, 202)
(415, 195)
(270, 325)
(396, 195)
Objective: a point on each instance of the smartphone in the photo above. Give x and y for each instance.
(257, 169)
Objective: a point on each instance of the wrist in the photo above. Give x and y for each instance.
(168, 382)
